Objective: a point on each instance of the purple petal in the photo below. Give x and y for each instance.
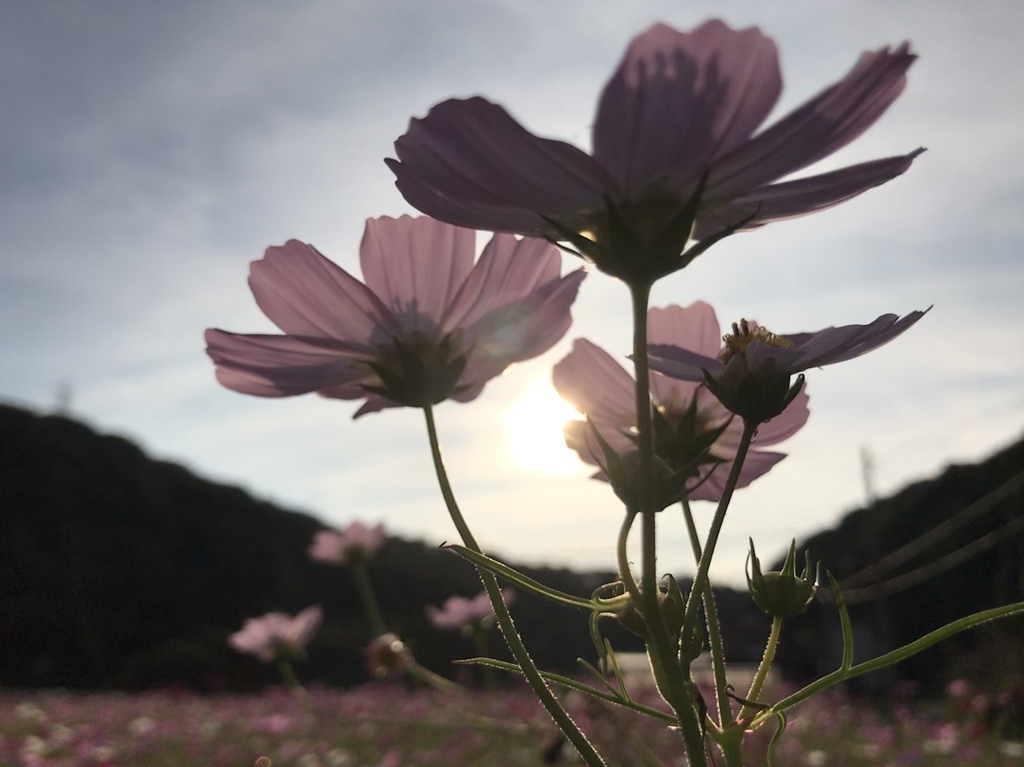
(680, 363)
(849, 341)
(416, 266)
(677, 100)
(802, 196)
(509, 270)
(305, 294)
(282, 366)
(827, 122)
(473, 150)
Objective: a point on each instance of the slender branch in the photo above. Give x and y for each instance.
(757, 684)
(662, 647)
(365, 587)
(715, 642)
(701, 579)
(505, 622)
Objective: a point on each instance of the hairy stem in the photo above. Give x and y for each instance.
(663, 648)
(505, 623)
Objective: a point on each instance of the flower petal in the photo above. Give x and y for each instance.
(473, 150)
(595, 384)
(509, 269)
(678, 100)
(416, 266)
(833, 345)
(305, 294)
(681, 363)
(283, 366)
(802, 196)
(757, 463)
(695, 328)
(827, 122)
(519, 331)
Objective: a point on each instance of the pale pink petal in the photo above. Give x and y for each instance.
(520, 330)
(302, 628)
(304, 294)
(694, 327)
(509, 269)
(677, 100)
(416, 266)
(473, 149)
(596, 385)
(825, 123)
(757, 463)
(283, 366)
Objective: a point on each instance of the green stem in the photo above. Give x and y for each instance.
(505, 622)
(762, 671)
(625, 573)
(715, 642)
(663, 649)
(704, 566)
(428, 677)
(890, 658)
(365, 587)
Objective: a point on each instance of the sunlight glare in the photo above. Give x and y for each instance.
(534, 424)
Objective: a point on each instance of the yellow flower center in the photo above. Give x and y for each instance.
(742, 335)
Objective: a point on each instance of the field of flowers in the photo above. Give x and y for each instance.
(392, 725)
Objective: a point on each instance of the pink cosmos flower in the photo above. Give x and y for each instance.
(427, 326)
(752, 374)
(688, 417)
(357, 542)
(678, 152)
(277, 635)
(460, 612)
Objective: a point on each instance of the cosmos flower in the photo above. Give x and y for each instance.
(356, 543)
(678, 152)
(688, 419)
(276, 635)
(460, 612)
(427, 326)
(752, 374)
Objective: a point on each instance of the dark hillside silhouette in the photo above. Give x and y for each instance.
(934, 552)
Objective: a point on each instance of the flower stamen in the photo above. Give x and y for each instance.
(743, 334)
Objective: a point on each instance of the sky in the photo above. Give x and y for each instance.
(149, 151)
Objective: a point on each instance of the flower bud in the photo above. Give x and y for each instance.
(782, 594)
(673, 609)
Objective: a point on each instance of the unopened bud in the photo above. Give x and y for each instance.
(782, 594)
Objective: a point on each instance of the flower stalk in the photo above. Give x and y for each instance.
(663, 649)
(508, 628)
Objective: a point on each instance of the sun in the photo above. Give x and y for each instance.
(533, 425)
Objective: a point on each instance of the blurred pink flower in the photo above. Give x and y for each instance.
(460, 612)
(677, 153)
(687, 416)
(357, 542)
(276, 634)
(428, 325)
(751, 376)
